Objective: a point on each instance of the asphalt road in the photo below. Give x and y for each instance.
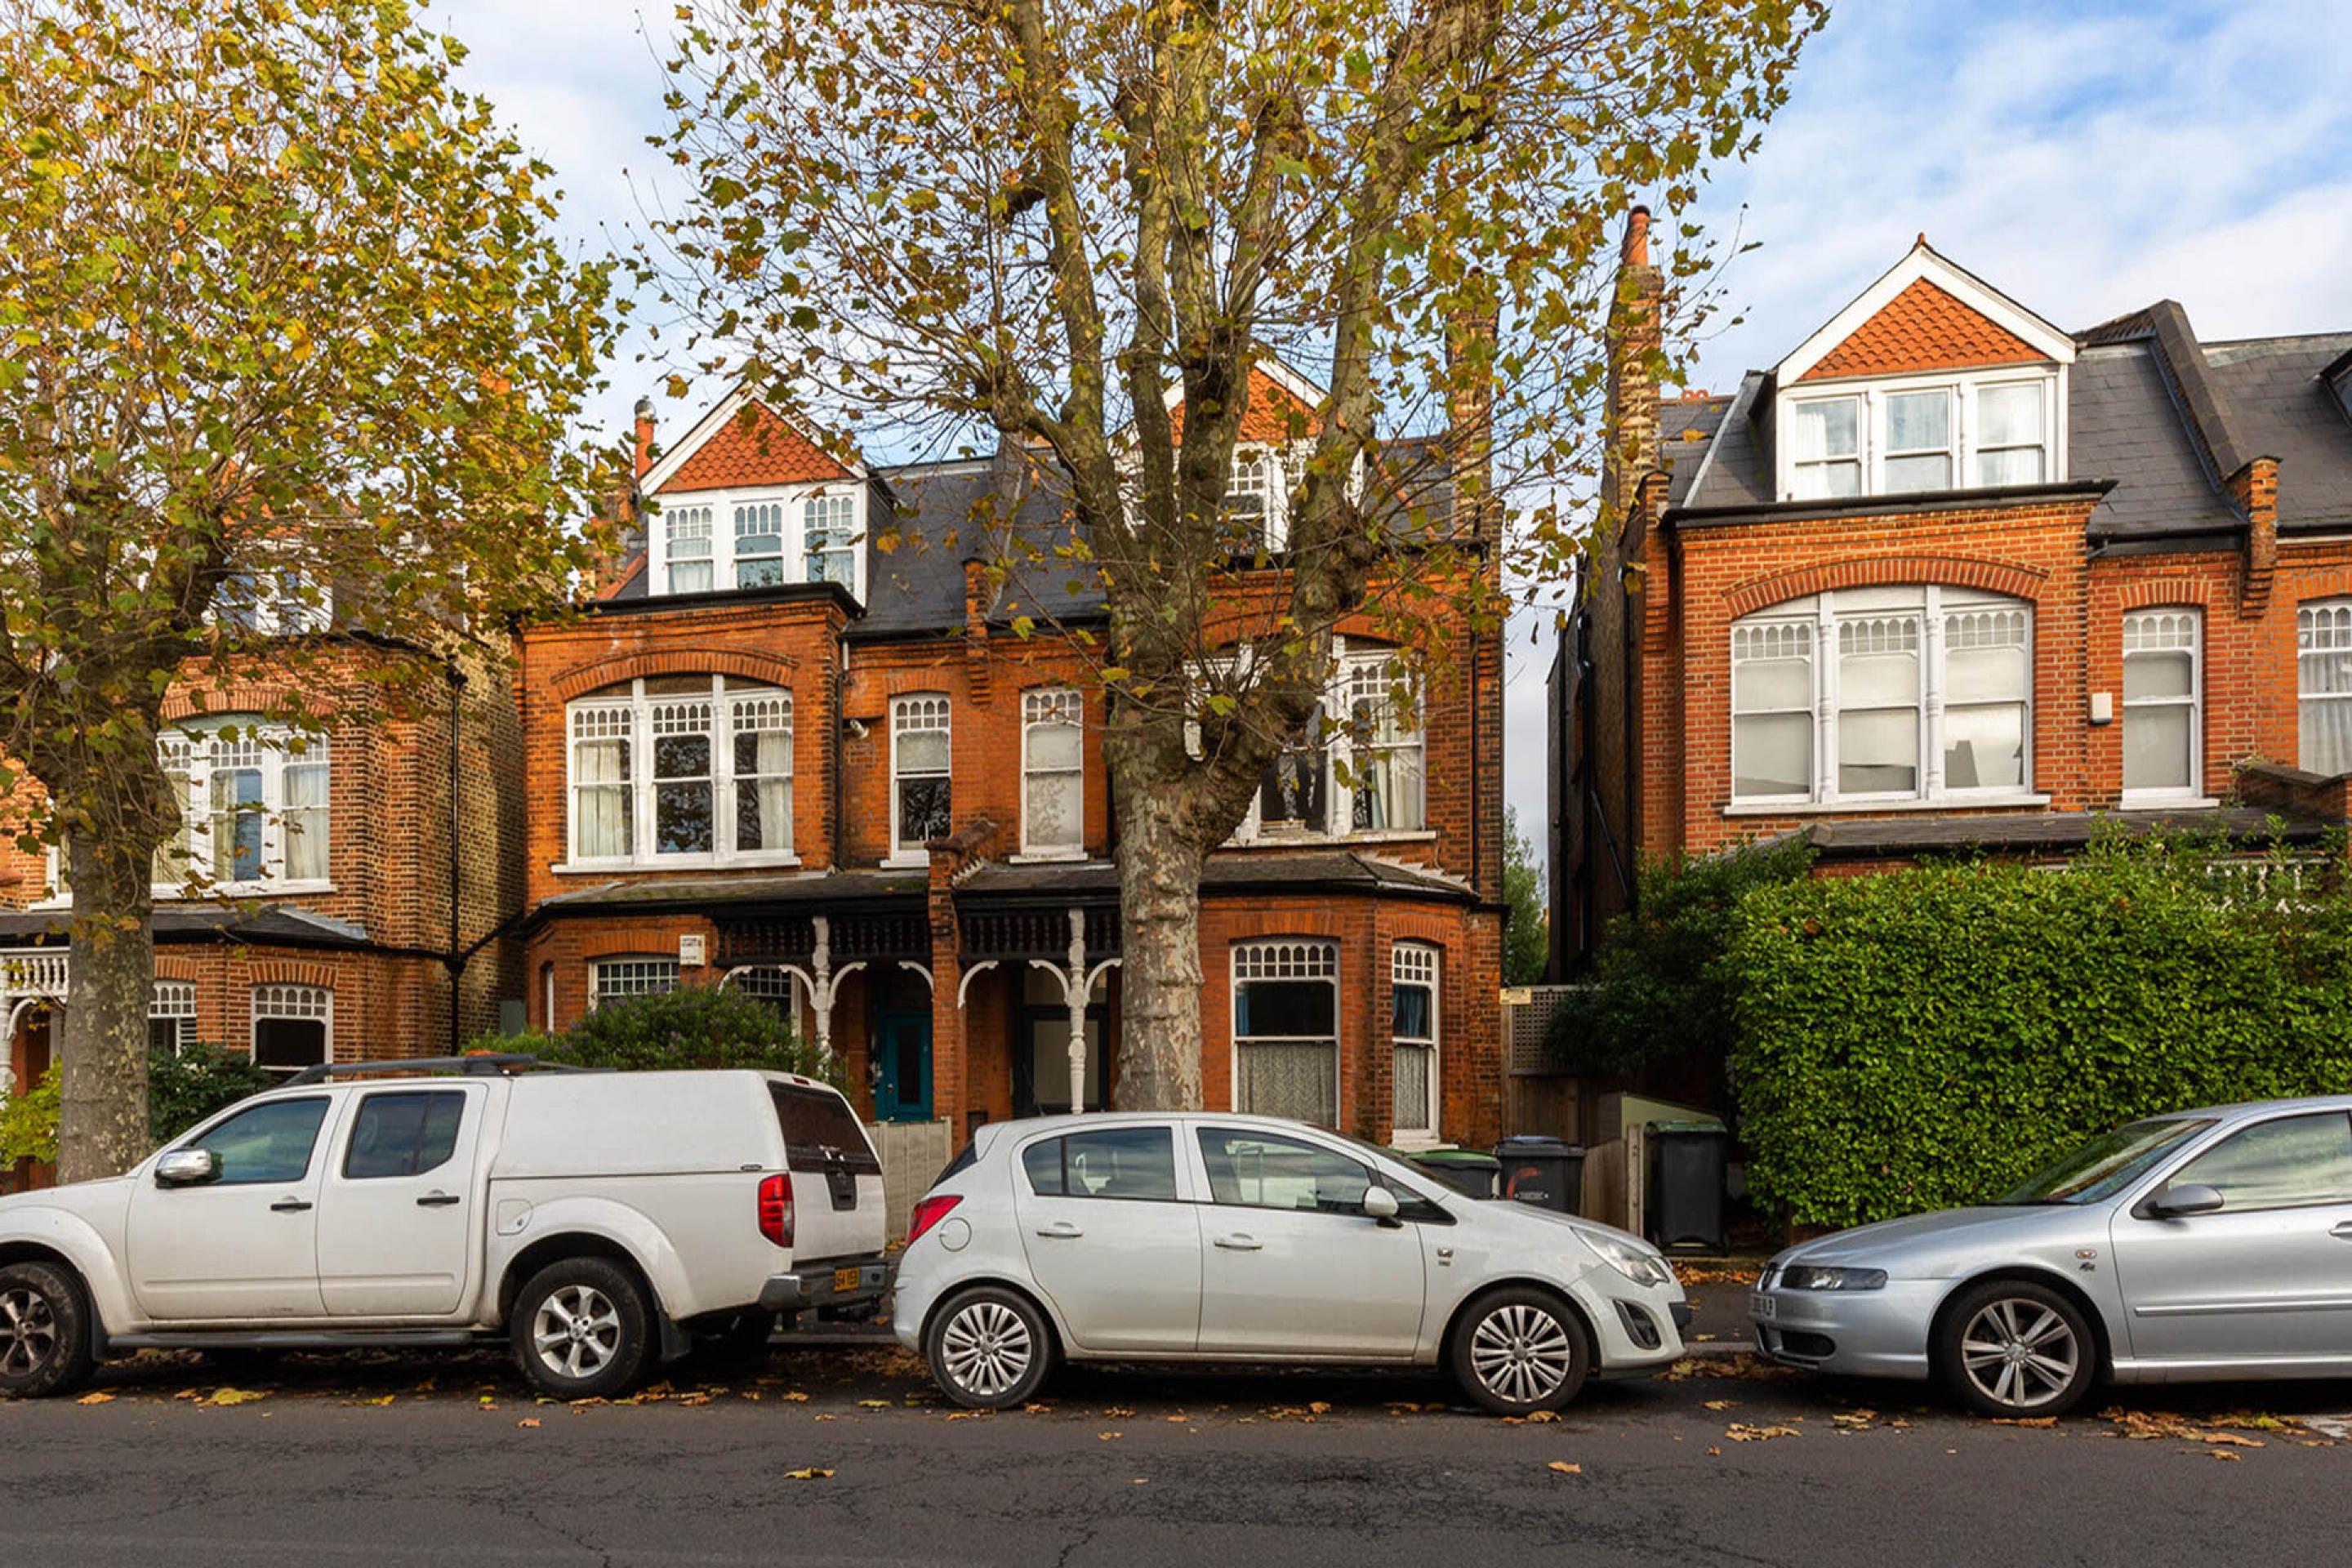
(450, 1461)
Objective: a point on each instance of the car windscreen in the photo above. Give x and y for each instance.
(817, 1125)
(2107, 1163)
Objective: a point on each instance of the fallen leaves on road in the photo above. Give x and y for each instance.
(2044, 1421)
(1721, 1404)
(529, 1424)
(793, 1396)
(874, 1404)
(1714, 1452)
(1564, 1469)
(234, 1396)
(98, 1398)
(1853, 1420)
(2144, 1425)
(1108, 1436)
(1740, 1432)
(1714, 1274)
(379, 1401)
(1040, 1408)
(813, 1473)
(968, 1415)
(1742, 1365)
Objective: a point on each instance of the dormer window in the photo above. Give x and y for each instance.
(688, 531)
(759, 544)
(2011, 434)
(1256, 492)
(828, 524)
(1827, 447)
(1919, 436)
(1919, 440)
(710, 539)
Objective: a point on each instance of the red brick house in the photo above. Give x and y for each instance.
(360, 882)
(1947, 577)
(801, 746)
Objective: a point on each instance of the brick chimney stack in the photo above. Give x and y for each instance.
(1470, 413)
(1634, 348)
(645, 456)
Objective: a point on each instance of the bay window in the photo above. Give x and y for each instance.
(921, 793)
(171, 1017)
(1384, 740)
(1926, 693)
(614, 979)
(2163, 701)
(2323, 680)
(255, 814)
(682, 770)
(1287, 1030)
(1358, 765)
(1412, 1039)
(1052, 773)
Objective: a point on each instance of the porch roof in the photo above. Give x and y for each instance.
(2050, 832)
(279, 925)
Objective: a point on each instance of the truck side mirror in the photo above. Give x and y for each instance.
(188, 1168)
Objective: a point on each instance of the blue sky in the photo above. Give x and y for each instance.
(2086, 159)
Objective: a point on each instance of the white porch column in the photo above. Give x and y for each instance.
(1073, 992)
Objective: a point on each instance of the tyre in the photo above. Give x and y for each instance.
(1521, 1350)
(2011, 1348)
(582, 1329)
(740, 1340)
(989, 1349)
(45, 1331)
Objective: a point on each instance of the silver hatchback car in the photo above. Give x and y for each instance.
(2205, 1245)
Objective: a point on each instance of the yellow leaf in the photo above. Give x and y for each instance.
(381, 1400)
(529, 1423)
(2225, 1454)
(234, 1396)
(1104, 1436)
(100, 1398)
(1543, 1415)
(1723, 1404)
(811, 1473)
(1564, 1469)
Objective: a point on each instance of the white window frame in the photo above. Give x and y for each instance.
(1823, 616)
(2323, 632)
(275, 748)
(792, 527)
(829, 516)
(758, 517)
(2193, 794)
(273, 604)
(1060, 705)
(637, 974)
(631, 717)
(1259, 481)
(1285, 958)
(173, 1001)
(1871, 426)
(289, 1002)
(1350, 666)
(695, 521)
(1417, 964)
(911, 712)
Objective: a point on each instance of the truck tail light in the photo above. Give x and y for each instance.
(928, 1213)
(776, 1209)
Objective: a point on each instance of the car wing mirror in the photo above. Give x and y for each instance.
(1381, 1204)
(2177, 1203)
(188, 1168)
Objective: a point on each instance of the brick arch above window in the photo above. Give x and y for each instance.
(168, 967)
(2001, 577)
(292, 972)
(770, 668)
(262, 697)
(2158, 593)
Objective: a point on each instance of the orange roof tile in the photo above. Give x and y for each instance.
(1269, 415)
(754, 447)
(1923, 328)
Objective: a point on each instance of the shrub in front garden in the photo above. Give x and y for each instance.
(692, 1026)
(1931, 1036)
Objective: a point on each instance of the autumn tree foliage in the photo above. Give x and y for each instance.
(280, 319)
(1071, 227)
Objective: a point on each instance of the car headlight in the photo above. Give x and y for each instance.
(1636, 1263)
(1809, 1277)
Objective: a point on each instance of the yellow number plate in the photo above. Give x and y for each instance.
(845, 1280)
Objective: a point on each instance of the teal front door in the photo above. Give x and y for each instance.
(902, 1065)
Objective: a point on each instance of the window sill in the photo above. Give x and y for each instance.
(1415, 1140)
(919, 860)
(245, 890)
(1331, 841)
(1905, 804)
(2165, 800)
(676, 863)
(1049, 857)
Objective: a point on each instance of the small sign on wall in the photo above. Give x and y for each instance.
(1517, 996)
(689, 952)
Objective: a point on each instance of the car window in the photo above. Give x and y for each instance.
(1115, 1163)
(2278, 1165)
(2106, 1164)
(404, 1134)
(819, 1128)
(270, 1143)
(1265, 1169)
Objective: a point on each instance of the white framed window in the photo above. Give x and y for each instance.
(1412, 1040)
(293, 1028)
(172, 1015)
(1927, 694)
(2323, 685)
(1358, 767)
(282, 600)
(612, 980)
(922, 784)
(828, 524)
(177, 854)
(1920, 432)
(1256, 497)
(1385, 776)
(1286, 1029)
(690, 770)
(1053, 775)
(759, 544)
(255, 809)
(686, 543)
(2163, 704)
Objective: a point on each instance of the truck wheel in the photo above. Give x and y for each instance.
(1518, 1350)
(45, 1331)
(582, 1329)
(989, 1349)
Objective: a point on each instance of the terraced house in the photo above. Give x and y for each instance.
(801, 746)
(1947, 575)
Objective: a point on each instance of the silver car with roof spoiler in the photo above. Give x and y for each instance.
(2202, 1245)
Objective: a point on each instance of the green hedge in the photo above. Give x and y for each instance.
(1930, 1037)
(692, 1026)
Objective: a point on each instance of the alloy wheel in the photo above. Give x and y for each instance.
(2020, 1354)
(28, 1332)
(577, 1331)
(987, 1349)
(1521, 1353)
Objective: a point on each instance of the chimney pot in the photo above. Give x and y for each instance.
(644, 436)
(1637, 237)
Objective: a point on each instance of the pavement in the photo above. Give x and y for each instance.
(841, 1453)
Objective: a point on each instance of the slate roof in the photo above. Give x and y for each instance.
(1685, 429)
(2052, 831)
(2275, 394)
(279, 925)
(1249, 871)
(2125, 424)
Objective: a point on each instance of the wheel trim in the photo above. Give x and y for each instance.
(577, 1331)
(2020, 1354)
(28, 1332)
(1521, 1353)
(986, 1349)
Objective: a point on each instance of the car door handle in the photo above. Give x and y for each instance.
(2342, 1232)
(1241, 1244)
(439, 1200)
(1060, 1230)
(289, 1206)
